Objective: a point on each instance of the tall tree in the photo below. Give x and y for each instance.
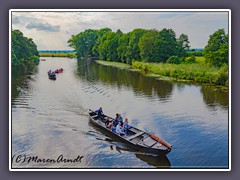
(107, 48)
(24, 50)
(133, 52)
(183, 44)
(100, 33)
(84, 42)
(167, 45)
(122, 47)
(216, 51)
(147, 46)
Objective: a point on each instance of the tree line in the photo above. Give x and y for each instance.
(146, 46)
(24, 50)
(139, 44)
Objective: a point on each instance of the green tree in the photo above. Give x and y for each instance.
(147, 46)
(123, 42)
(84, 42)
(24, 50)
(183, 44)
(107, 48)
(216, 51)
(100, 33)
(167, 45)
(133, 52)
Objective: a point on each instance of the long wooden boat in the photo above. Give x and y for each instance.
(136, 138)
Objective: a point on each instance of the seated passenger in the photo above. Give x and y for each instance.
(126, 126)
(115, 122)
(120, 119)
(109, 123)
(119, 129)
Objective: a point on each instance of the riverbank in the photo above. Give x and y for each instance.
(114, 64)
(196, 72)
(71, 55)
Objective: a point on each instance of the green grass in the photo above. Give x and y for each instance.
(114, 64)
(200, 59)
(196, 72)
(57, 54)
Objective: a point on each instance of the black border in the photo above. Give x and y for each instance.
(81, 4)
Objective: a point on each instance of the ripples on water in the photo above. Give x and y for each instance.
(49, 117)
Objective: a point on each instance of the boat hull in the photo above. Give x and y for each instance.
(135, 146)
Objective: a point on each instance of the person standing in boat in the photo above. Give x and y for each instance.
(100, 113)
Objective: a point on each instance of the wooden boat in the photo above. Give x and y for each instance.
(59, 70)
(136, 138)
(52, 75)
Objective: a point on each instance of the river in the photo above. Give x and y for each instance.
(49, 118)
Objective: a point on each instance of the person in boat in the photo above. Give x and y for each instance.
(109, 123)
(126, 126)
(120, 119)
(100, 113)
(115, 122)
(119, 129)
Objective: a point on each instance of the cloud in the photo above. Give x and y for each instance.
(15, 20)
(197, 25)
(43, 27)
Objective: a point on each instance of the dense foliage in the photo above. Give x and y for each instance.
(200, 73)
(139, 44)
(24, 50)
(216, 51)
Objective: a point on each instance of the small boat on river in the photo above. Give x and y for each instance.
(52, 75)
(59, 70)
(136, 138)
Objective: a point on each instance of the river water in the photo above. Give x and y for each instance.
(50, 122)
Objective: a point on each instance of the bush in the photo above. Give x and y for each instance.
(191, 59)
(173, 60)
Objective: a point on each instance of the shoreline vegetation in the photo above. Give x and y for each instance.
(158, 53)
(193, 73)
(24, 50)
(57, 53)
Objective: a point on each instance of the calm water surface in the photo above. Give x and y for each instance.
(49, 117)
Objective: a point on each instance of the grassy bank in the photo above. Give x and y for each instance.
(57, 54)
(197, 72)
(114, 64)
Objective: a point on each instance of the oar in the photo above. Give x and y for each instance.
(158, 139)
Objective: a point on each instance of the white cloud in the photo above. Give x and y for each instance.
(197, 25)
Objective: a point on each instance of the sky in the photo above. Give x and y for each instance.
(51, 30)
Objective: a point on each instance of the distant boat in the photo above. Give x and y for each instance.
(59, 70)
(52, 75)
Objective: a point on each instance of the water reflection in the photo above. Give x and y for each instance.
(21, 75)
(214, 98)
(158, 161)
(148, 86)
